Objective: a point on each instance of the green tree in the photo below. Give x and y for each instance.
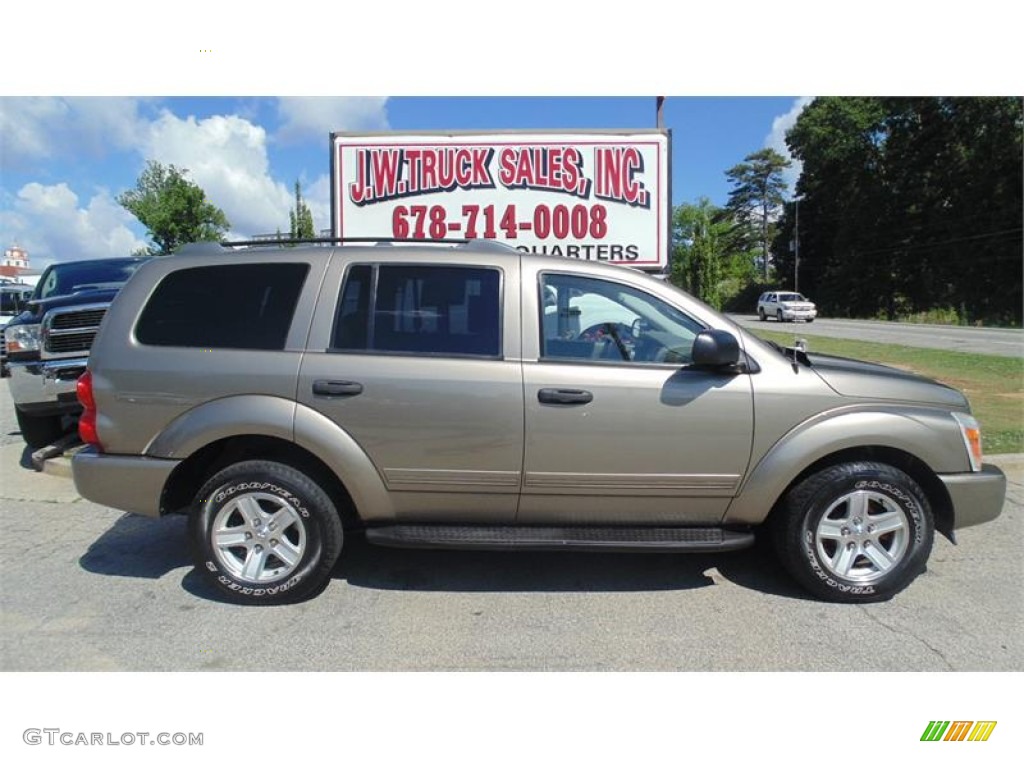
(757, 195)
(840, 141)
(700, 235)
(301, 220)
(173, 209)
(910, 205)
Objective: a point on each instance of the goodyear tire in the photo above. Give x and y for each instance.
(264, 533)
(855, 533)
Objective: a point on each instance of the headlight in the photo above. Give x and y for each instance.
(971, 432)
(22, 338)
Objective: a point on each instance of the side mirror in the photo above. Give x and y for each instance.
(715, 349)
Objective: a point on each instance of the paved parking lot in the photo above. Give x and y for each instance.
(88, 588)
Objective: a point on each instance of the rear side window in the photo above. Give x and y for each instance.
(231, 306)
(431, 310)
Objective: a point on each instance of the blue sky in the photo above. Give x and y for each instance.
(64, 160)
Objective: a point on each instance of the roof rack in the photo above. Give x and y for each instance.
(332, 240)
(489, 245)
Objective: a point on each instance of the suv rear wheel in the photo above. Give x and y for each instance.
(264, 533)
(854, 533)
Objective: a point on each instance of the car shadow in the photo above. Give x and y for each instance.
(139, 547)
(366, 565)
(25, 460)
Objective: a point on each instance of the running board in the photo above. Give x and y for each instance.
(606, 539)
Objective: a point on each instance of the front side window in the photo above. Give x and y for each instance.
(431, 310)
(231, 306)
(589, 319)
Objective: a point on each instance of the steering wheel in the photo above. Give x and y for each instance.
(600, 330)
(618, 332)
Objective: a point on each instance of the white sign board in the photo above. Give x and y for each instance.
(598, 196)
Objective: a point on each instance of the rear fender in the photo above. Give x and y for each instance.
(286, 420)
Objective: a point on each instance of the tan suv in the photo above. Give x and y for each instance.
(477, 397)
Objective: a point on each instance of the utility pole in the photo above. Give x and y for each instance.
(659, 112)
(796, 240)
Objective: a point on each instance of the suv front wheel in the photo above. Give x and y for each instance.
(855, 533)
(264, 533)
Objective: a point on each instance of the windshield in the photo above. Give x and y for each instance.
(791, 297)
(65, 279)
(13, 300)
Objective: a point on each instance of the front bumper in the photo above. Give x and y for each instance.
(799, 314)
(132, 483)
(977, 496)
(51, 382)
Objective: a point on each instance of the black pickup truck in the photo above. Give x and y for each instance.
(47, 345)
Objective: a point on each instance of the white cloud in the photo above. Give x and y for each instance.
(48, 222)
(42, 128)
(777, 139)
(227, 157)
(315, 118)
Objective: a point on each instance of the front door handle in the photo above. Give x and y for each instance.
(337, 388)
(564, 396)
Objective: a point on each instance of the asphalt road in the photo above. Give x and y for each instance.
(1006, 342)
(88, 588)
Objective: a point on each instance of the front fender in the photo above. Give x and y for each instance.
(929, 434)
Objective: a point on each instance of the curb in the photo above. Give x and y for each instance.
(59, 466)
(56, 459)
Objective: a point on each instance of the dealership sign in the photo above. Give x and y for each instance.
(597, 196)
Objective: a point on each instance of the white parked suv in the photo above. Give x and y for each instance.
(783, 306)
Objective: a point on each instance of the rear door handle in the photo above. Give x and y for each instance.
(564, 396)
(337, 388)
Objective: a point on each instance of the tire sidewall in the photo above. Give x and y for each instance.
(242, 479)
(896, 486)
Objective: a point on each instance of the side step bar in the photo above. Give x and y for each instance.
(601, 539)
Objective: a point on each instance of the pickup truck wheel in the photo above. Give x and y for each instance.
(264, 533)
(855, 533)
(40, 431)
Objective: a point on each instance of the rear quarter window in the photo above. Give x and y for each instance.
(230, 306)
